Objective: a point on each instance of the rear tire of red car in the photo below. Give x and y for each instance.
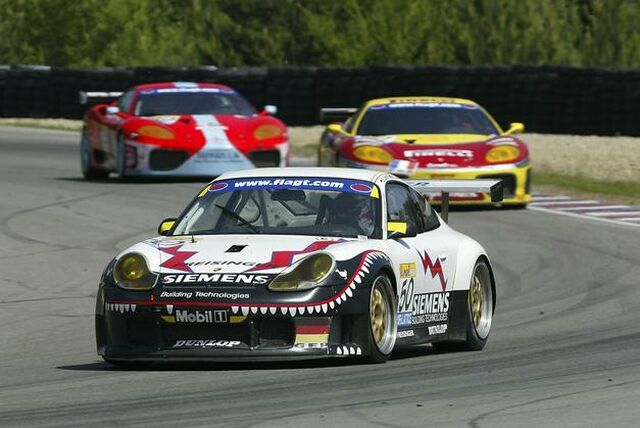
(88, 171)
(381, 320)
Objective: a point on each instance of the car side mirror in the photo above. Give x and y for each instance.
(515, 128)
(112, 110)
(270, 109)
(336, 128)
(165, 226)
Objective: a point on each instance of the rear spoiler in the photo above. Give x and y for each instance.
(98, 97)
(336, 114)
(481, 185)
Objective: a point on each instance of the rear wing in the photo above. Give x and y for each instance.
(445, 187)
(97, 97)
(336, 114)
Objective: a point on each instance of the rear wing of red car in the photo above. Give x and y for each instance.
(98, 97)
(336, 114)
(492, 187)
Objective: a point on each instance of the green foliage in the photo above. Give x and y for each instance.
(227, 33)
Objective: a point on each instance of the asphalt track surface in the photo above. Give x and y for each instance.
(564, 349)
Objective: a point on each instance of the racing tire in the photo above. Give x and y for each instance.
(480, 308)
(381, 320)
(88, 171)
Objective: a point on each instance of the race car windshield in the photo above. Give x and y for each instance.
(285, 206)
(155, 103)
(425, 118)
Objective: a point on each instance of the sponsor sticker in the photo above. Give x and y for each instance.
(437, 329)
(196, 279)
(430, 307)
(405, 333)
(203, 295)
(208, 343)
(439, 153)
(228, 155)
(197, 316)
(404, 319)
(407, 270)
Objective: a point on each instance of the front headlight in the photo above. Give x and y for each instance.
(265, 132)
(372, 154)
(155, 132)
(305, 274)
(132, 273)
(502, 154)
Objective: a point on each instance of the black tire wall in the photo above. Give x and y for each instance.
(548, 99)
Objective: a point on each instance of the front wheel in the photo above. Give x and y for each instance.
(88, 171)
(382, 325)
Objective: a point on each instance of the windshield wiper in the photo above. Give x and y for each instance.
(238, 217)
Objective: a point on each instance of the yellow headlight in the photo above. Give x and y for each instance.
(372, 154)
(265, 132)
(131, 273)
(502, 154)
(155, 132)
(306, 274)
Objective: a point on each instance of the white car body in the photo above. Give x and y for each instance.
(430, 272)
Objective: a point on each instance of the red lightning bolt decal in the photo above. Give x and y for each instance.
(284, 258)
(435, 268)
(176, 262)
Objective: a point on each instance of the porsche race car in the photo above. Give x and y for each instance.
(298, 264)
(429, 137)
(178, 129)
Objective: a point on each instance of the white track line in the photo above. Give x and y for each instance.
(601, 208)
(551, 198)
(616, 214)
(571, 202)
(582, 216)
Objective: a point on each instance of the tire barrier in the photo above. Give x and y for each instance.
(548, 99)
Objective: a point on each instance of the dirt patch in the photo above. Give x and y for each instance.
(600, 158)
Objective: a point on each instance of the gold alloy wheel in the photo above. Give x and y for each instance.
(476, 300)
(378, 309)
(481, 300)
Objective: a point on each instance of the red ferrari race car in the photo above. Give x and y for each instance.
(178, 129)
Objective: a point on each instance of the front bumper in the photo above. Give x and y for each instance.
(170, 332)
(150, 160)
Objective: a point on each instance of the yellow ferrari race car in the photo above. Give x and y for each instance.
(429, 137)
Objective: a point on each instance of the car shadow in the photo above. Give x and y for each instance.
(98, 366)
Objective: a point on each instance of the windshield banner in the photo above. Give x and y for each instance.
(301, 183)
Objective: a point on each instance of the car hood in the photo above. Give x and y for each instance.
(269, 254)
(438, 139)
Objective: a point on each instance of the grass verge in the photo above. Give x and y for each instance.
(627, 192)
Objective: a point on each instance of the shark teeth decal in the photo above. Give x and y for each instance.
(357, 277)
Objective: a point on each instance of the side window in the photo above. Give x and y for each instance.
(429, 219)
(402, 207)
(349, 123)
(124, 103)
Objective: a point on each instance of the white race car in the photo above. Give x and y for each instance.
(299, 263)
